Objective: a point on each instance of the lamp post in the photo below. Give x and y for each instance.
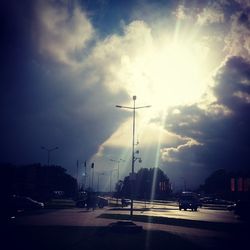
(81, 180)
(132, 176)
(98, 177)
(110, 180)
(92, 166)
(49, 150)
(85, 174)
(118, 167)
(184, 184)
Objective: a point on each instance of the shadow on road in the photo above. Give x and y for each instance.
(74, 238)
(217, 226)
(144, 209)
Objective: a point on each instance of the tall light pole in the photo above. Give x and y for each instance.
(49, 150)
(132, 176)
(81, 180)
(110, 180)
(77, 166)
(85, 174)
(98, 177)
(92, 166)
(118, 166)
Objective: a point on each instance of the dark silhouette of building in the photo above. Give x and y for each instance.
(230, 185)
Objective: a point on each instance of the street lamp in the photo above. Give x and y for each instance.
(49, 150)
(118, 167)
(92, 167)
(132, 176)
(98, 177)
(110, 181)
(81, 180)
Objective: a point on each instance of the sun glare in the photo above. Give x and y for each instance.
(170, 74)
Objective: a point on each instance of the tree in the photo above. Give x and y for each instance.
(36, 181)
(150, 183)
(217, 182)
(118, 188)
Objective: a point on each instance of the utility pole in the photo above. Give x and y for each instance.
(49, 151)
(77, 180)
(132, 176)
(85, 174)
(98, 177)
(118, 167)
(92, 166)
(118, 176)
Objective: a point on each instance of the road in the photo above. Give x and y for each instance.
(206, 227)
(171, 210)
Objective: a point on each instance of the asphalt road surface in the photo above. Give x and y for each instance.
(207, 228)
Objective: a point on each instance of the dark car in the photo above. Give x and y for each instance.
(92, 201)
(242, 209)
(25, 203)
(102, 202)
(16, 204)
(188, 202)
(231, 207)
(125, 202)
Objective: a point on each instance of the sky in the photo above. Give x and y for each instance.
(65, 65)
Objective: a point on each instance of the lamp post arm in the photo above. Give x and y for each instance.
(125, 107)
(141, 107)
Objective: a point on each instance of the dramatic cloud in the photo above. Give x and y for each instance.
(63, 33)
(66, 64)
(238, 41)
(221, 130)
(210, 15)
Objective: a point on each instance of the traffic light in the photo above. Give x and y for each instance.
(92, 165)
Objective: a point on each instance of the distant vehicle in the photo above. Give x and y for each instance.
(80, 203)
(25, 203)
(242, 209)
(208, 200)
(82, 199)
(231, 207)
(125, 202)
(16, 204)
(100, 201)
(189, 200)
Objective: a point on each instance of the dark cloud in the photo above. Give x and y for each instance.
(231, 79)
(223, 129)
(47, 104)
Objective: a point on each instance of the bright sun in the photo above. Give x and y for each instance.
(169, 73)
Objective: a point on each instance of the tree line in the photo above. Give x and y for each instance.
(36, 181)
(150, 183)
